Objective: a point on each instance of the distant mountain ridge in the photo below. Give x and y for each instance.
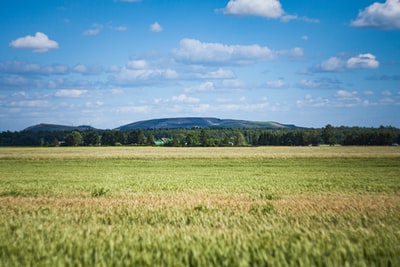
(202, 122)
(171, 123)
(47, 127)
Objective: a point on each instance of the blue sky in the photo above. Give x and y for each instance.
(112, 62)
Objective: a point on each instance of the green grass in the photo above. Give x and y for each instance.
(200, 207)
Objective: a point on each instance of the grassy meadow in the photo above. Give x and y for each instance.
(155, 206)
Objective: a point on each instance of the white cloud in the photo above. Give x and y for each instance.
(156, 27)
(277, 84)
(13, 80)
(333, 64)
(203, 87)
(184, 99)
(308, 84)
(341, 99)
(220, 73)
(120, 28)
(323, 83)
(40, 43)
(368, 92)
(233, 83)
(262, 8)
(288, 18)
(94, 104)
(94, 30)
(133, 109)
(22, 67)
(206, 72)
(208, 86)
(345, 94)
(305, 37)
(137, 64)
(128, 76)
(379, 15)
(30, 103)
(271, 9)
(361, 61)
(88, 69)
(386, 93)
(70, 93)
(195, 51)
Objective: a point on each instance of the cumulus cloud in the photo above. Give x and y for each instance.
(40, 43)
(156, 27)
(361, 61)
(379, 15)
(262, 8)
(195, 51)
(70, 93)
(333, 64)
(271, 9)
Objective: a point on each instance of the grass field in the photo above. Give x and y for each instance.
(152, 206)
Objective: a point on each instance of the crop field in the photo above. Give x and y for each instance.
(155, 206)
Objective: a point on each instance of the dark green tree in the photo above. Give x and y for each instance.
(73, 139)
(328, 135)
(150, 139)
(91, 138)
(203, 137)
(108, 138)
(240, 140)
(192, 139)
(141, 137)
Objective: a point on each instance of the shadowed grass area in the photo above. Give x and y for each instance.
(185, 207)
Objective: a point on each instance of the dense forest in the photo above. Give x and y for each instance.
(328, 135)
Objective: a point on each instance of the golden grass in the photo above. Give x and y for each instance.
(198, 152)
(335, 204)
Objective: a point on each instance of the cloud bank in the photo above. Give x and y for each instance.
(195, 51)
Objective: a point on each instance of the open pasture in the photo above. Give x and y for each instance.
(151, 206)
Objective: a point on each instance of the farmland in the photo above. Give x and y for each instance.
(152, 206)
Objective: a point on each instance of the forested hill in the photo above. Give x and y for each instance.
(171, 123)
(201, 122)
(45, 127)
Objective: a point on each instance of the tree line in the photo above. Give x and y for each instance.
(328, 135)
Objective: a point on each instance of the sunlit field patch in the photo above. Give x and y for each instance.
(305, 206)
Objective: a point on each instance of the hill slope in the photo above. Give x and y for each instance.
(45, 127)
(202, 122)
